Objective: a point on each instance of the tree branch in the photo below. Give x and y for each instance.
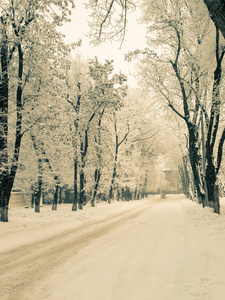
(177, 112)
(27, 129)
(220, 151)
(177, 73)
(106, 17)
(125, 136)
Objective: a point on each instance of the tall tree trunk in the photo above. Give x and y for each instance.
(113, 179)
(60, 195)
(67, 196)
(75, 195)
(97, 179)
(194, 161)
(74, 142)
(217, 199)
(37, 194)
(184, 180)
(114, 168)
(82, 179)
(211, 171)
(138, 195)
(55, 199)
(8, 178)
(211, 180)
(127, 194)
(135, 194)
(32, 199)
(83, 153)
(118, 194)
(206, 199)
(82, 191)
(4, 200)
(99, 156)
(85, 194)
(144, 190)
(43, 197)
(4, 90)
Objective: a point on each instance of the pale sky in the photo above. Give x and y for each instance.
(135, 38)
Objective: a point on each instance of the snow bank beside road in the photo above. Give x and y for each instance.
(25, 226)
(208, 243)
(205, 217)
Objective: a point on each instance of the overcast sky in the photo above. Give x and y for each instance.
(135, 38)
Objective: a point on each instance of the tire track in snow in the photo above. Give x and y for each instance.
(24, 267)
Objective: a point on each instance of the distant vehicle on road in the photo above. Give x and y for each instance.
(163, 195)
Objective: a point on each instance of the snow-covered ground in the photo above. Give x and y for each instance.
(25, 226)
(172, 249)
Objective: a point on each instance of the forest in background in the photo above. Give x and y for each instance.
(71, 123)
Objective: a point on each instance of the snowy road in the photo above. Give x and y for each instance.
(154, 252)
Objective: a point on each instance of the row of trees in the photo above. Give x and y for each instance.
(65, 122)
(186, 52)
(28, 42)
(183, 66)
(59, 112)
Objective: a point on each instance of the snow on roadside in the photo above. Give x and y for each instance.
(207, 234)
(202, 217)
(25, 226)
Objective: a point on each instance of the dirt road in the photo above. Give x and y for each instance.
(150, 253)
